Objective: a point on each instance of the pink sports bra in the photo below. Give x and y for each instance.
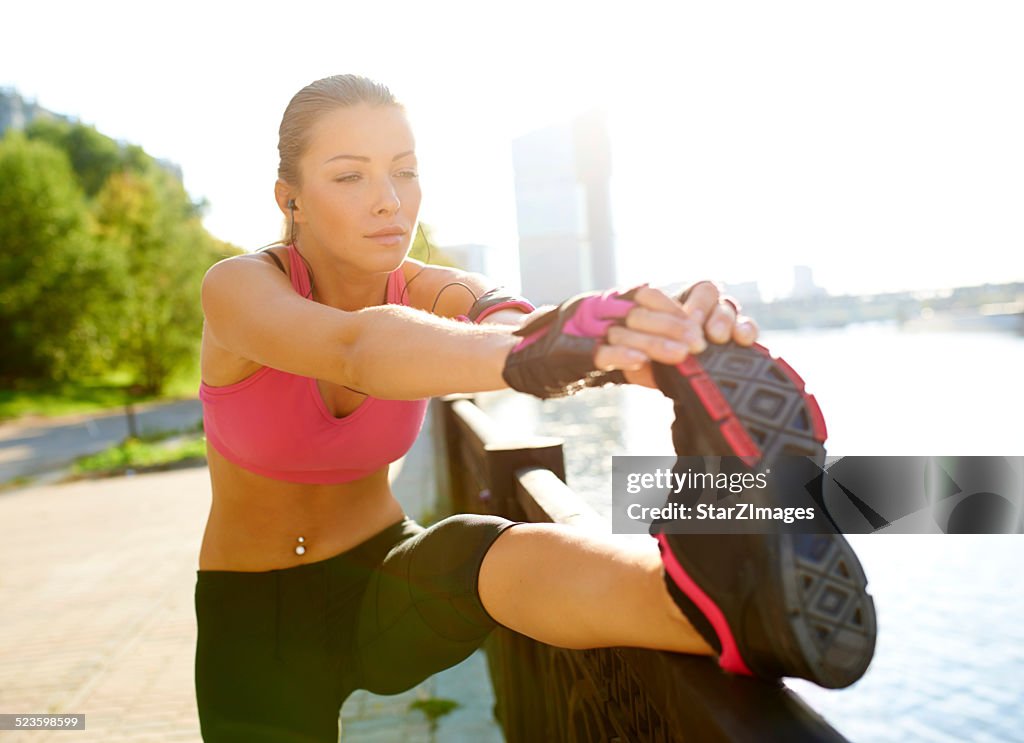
(276, 424)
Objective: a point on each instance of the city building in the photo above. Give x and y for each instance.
(745, 292)
(563, 209)
(17, 113)
(803, 283)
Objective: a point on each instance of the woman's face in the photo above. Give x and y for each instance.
(359, 175)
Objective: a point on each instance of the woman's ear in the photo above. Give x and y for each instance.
(284, 195)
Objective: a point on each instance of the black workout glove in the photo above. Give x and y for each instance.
(556, 355)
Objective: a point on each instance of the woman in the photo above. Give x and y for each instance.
(318, 359)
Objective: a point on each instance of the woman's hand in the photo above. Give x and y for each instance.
(562, 344)
(664, 329)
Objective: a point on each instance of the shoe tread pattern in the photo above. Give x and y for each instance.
(770, 413)
(830, 612)
(741, 401)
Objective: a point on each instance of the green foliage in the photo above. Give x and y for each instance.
(44, 397)
(103, 258)
(16, 483)
(136, 454)
(99, 277)
(434, 708)
(161, 251)
(425, 249)
(51, 269)
(94, 157)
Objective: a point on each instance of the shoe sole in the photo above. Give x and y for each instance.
(756, 407)
(828, 608)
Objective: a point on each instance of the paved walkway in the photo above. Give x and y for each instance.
(96, 585)
(29, 447)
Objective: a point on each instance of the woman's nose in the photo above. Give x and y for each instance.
(388, 201)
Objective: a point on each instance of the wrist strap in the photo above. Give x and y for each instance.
(492, 301)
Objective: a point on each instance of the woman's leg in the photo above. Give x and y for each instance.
(577, 589)
(437, 595)
(266, 666)
(420, 613)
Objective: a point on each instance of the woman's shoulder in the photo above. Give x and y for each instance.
(234, 271)
(236, 282)
(275, 254)
(240, 279)
(443, 290)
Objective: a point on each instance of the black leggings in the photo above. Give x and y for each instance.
(279, 651)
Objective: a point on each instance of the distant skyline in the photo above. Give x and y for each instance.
(878, 143)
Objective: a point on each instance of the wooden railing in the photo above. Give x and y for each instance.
(628, 695)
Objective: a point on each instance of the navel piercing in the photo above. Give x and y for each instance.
(301, 549)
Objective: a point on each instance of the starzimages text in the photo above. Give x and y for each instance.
(708, 512)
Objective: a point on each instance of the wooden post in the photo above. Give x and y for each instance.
(129, 410)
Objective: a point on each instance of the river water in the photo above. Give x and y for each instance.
(949, 663)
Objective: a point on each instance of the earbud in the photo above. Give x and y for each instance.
(291, 203)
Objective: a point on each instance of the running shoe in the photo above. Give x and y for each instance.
(771, 605)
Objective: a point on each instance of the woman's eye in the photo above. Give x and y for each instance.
(355, 176)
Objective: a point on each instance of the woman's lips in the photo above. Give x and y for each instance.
(388, 239)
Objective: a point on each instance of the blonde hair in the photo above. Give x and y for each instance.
(305, 109)
(312, 102)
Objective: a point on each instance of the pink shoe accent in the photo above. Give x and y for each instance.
(710, 397)
(730, 659)
(719, 409)
(690, 367)
(790, 372)
(817, 419)
(742, 445)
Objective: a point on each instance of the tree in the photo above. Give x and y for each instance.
(94, 156)
(425, 249)
(51, 272)
(161, 251)
(155, 249)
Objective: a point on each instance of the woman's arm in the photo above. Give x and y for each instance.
(402, 353)
(388, 351)
(451, 293)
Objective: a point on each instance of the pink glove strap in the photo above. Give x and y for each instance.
(592, 318)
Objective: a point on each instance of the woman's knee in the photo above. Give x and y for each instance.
(423, 613)
(444, 570)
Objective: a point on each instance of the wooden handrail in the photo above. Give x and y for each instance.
(551, 694)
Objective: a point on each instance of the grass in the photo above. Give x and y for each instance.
(48, 399)
(16, 483)
(434, 709)
(137, 454)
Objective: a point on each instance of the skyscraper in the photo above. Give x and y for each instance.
(563, 207)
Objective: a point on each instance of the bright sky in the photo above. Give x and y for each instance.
(878, 142)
